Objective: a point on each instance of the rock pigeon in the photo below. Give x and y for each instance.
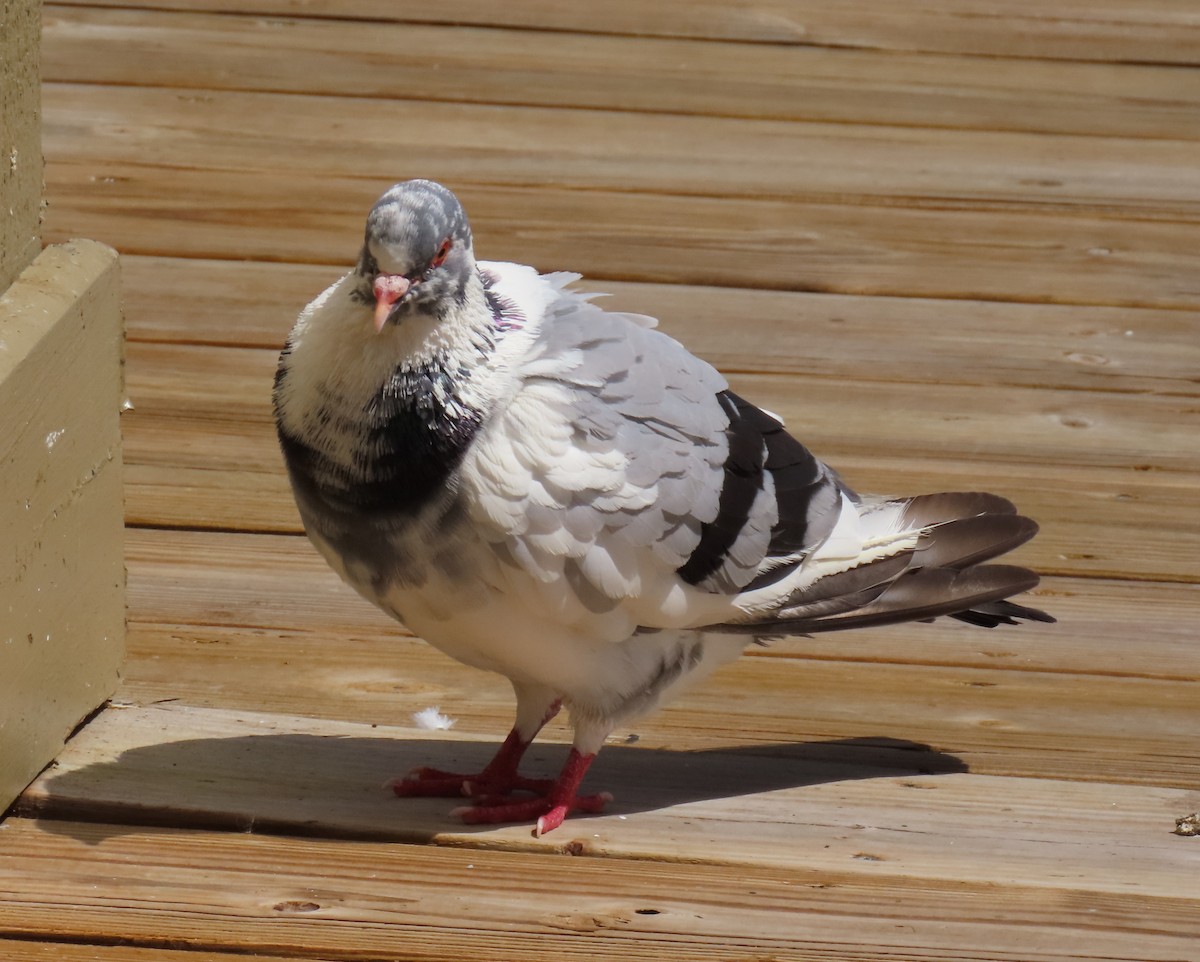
(566, 496)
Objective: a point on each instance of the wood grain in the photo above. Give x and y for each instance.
(953, 243)
(1041, 426)
(281, 593)
(945, 251)
(357, 900)
(1151, 31)
(200, 450)
(917, 817)
(413, 61)
(674, 155)
(249, 304)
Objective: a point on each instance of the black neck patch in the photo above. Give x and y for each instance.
(412, 436)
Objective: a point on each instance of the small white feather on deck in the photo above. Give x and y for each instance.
(432, 719)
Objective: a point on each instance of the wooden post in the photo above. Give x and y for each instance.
(62, 576)
(20, 137)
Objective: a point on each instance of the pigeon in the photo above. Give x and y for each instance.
(566, 496)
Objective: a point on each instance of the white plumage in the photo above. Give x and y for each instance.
(565, 495)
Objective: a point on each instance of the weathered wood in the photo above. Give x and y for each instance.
(253, 304)
(1150, 31)
(925, 792)
(439, 62)
(920, 818)
(623, 151)
(62, 580)
(364, 901)
(948, 252)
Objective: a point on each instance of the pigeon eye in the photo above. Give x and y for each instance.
(440, 256)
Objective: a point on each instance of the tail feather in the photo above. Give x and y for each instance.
(943, 575)
(968, 541)
(930, 592)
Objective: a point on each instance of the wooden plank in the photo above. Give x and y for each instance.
(1038, 426)
(276, 595)
(249, 304)
(207, 458)
(624, 151)
(800, 812)
(853, 249)
(546, 68)
(1150, 31)
(364, 901)
(1105, 523)
(253, 622)
(62, 581)
(1028, 723)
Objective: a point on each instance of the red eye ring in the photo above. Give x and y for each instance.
(442, 253)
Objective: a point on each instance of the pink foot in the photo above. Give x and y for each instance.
(548, 813)
(434, 783)
(560, 798)
(498, 778)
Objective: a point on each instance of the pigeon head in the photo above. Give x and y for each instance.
(417, 253)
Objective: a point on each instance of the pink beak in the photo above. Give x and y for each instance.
(389, 288)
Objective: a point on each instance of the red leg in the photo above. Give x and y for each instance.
(550, 810)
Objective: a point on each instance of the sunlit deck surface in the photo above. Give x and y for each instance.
(955, 245)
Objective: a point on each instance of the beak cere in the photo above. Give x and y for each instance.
(388, 288)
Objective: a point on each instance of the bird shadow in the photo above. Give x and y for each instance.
(332, 786)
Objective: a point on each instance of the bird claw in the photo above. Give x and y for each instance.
(549, 813)
(493, 790)
(430, 783)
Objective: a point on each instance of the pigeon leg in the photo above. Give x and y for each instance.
(535, 707)
(550, 810)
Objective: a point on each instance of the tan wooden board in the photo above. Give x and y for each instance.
(952, 251)
(62, 581)
(270, 773)
(253, 304)
(703, 156)
(1150, 31)
(489, 64)
(366, 900)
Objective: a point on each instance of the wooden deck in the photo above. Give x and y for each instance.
(956, 245)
